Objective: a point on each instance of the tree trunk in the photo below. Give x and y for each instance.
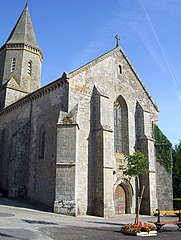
(139, 200)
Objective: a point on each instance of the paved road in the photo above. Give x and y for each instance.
(21, 221)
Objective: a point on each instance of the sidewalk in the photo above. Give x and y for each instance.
(22, 207)
(19, 220)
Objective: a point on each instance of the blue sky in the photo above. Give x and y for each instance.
(72, 33)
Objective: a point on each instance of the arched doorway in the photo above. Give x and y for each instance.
(120, 200)
(123, 194)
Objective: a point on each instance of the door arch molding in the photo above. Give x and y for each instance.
(126, 189)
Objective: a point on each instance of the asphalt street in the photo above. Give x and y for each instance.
(22, 221)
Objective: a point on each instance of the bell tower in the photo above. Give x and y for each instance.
(20, 62)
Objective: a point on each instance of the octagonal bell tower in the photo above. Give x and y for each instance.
(20, 62)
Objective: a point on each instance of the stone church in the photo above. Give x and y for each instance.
(63, 145)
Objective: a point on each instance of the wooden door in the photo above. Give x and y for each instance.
(120, 200)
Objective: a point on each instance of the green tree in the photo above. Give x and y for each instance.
(163, 148)
(177, 170)
(137, 165)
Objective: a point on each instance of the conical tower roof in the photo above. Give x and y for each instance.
(23, 31)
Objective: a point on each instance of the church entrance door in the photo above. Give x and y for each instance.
(120, 200)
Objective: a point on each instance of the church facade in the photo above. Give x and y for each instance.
(63, 144)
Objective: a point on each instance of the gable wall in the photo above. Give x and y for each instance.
(105, 76)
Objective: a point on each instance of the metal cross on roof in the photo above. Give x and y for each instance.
(117, 40)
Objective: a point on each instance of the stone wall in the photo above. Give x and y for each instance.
(14, 145)
(78, 169)
(24, 171)
(65, 169)
(164, 188)
(104, 75)
(42, 168)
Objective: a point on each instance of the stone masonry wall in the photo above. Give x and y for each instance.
(164, 188)
(103, 73)
(42, 170)
(21, 151)
(14, 128)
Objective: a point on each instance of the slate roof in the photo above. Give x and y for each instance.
(23, 31)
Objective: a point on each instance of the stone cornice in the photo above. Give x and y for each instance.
(24, 46)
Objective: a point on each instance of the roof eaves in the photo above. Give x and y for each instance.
(38, 93)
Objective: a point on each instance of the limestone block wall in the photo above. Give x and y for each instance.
(26, 82)
(164, 188)
(43, 144)
(65, 169)
(28, 144)
(104, 75)
(14, 145)
(12, 96)
(93, 88)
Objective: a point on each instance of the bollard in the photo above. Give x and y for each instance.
(179, 216)
(158, 220)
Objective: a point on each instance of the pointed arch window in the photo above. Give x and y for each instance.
(13, 64)
(121, 142)
(29, 69)
(117, 127)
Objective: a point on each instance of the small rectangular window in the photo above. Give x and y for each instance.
(120, 69)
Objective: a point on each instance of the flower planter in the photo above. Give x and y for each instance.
(147, 234)
(142, 230)
(142, 234)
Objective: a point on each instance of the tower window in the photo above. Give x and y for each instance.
(13, 64)
(29, 70)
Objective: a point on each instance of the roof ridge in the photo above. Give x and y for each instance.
(104, 56)
(93, 62)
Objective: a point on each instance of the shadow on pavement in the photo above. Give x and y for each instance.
(39, 222)
(108, 223)
(24, 204)
(10, 236)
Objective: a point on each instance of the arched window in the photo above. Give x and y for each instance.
(121, 142)
(29, 69)
(41, 142)
(13, 64)
(117, 127)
